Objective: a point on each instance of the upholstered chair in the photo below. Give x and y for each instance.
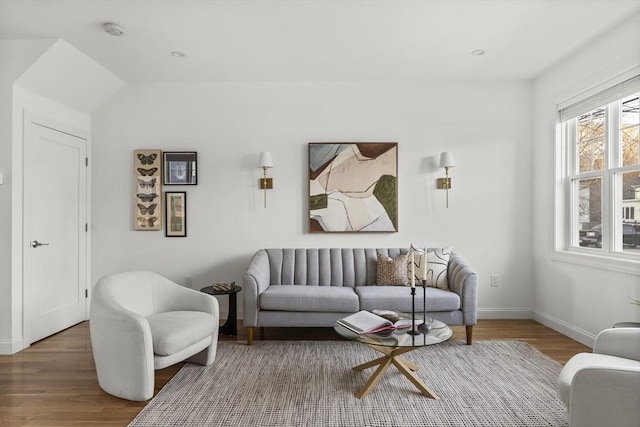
(141, 322)
(603, 388)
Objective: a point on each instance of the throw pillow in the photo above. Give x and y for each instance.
(392, 271)
(437, 265)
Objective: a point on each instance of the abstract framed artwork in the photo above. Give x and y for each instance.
(147, 188)
(353, 187)
(180, 167)
(176, 213)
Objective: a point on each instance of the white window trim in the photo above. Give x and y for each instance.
(614, 261)
(600, 262)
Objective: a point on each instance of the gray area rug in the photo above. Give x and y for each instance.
(311, 383)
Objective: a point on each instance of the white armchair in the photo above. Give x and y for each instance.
(603, 388)
(140, 322)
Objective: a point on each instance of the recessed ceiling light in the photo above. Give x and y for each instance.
(178, 54)
(114, 29)
(478, 52)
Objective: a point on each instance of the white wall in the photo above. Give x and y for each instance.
(485, 125)
(71, 78)
(577, 299)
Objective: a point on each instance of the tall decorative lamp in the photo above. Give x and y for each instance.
(265, 183)
(446, 162)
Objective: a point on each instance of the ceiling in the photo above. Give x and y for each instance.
(319, 40)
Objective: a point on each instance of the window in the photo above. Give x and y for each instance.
(601, 144)
(628, 213)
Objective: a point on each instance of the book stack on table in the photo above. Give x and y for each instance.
(223, 286)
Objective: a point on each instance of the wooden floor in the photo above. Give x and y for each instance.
(53, 382)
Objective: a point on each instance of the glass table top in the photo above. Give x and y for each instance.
(439, 332)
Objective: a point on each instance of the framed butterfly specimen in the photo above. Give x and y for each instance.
(176, 213)
(180, 168)
(144, 184)
(147, 190)
(147, 159)
(147, 209)
(147, 172)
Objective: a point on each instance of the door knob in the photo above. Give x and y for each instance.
(36, 244)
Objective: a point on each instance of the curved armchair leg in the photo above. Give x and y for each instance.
(469, 334)
(207, 356)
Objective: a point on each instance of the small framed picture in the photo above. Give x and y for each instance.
(147, 190)
(180, 167)
(175, 213)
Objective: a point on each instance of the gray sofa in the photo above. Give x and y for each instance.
(316, 287)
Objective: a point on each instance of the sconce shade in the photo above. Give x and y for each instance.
(446, 160)
(265, 160)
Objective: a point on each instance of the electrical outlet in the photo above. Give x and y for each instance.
(495, 281)
(188, 281)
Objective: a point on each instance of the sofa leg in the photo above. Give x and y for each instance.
(469, 334)
(249, 335)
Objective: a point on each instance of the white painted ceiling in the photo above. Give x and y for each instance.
(319, 40)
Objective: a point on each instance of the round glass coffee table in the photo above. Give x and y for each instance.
(392, 344)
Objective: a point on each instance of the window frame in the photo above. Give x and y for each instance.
(567, 242)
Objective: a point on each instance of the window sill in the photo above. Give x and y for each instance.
(619, 265)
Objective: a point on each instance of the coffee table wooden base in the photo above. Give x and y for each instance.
(391, 356)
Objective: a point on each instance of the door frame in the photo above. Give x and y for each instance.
(28, 118)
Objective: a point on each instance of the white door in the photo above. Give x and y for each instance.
(55, 239)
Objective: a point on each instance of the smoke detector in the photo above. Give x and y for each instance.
(114, 29)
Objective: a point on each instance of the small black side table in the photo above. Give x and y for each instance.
(230, 326)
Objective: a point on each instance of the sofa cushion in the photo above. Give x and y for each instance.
(310, 298)
(437, 265)
(173, 331)
(396, 298)
(390, 271)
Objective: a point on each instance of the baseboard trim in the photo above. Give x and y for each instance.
(565, 328)
(11, 347)
(505, 313)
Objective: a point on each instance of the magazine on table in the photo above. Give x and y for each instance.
(364, 322)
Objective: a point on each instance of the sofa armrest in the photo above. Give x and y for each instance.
(255, 281)
(463, 280)
(620, 342)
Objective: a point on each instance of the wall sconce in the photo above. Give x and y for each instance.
(446, 162)
(265, 183)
